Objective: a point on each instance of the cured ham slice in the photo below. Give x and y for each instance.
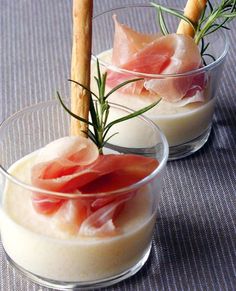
(86, 173)
(56, 169)
(180, 47)
(46, 204)
(127, 42)
(101, 222)
(73, 148)
(170, 54)
(71, 215)
(62, 176)
(104, 174)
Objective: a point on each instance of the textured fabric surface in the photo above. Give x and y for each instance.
(194, 239)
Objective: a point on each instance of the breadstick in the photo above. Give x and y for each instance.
(80, 63)
(192, 10)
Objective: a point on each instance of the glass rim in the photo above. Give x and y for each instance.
(62, 195)
(206, 68)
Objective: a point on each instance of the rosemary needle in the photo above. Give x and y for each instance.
(100, 109)
(213, 18)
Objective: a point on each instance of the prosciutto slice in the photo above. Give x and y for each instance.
(81, 170)
(101, 222)
(170, 54)
(127, 42)
(56, 170)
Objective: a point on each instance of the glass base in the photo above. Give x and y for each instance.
(190, 147)
(59, 285)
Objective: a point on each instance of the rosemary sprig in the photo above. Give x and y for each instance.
(216, 19)
(213, 18)
(172, 11)
(100, 109)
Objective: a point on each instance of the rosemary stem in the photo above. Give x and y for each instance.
(202, 32)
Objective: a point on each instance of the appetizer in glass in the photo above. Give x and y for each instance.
(180, 63)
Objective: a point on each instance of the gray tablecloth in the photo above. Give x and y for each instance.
(194, 239)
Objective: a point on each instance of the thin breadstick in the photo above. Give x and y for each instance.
(193, 11)
(80, 63)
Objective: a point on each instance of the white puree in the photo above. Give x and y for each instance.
(35, 242)
(179, 124)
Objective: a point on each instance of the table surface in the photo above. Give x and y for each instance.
(194, 239)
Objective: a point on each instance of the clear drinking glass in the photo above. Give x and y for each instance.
(188, 127)
(36, 244)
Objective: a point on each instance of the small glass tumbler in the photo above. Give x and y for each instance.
(37, 244)
(186, 126)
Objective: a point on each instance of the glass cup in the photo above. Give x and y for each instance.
(48, 250)
(186, 127)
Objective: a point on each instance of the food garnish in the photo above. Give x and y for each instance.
(100, 109)
(212, 17)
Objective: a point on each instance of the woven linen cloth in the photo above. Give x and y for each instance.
(194, 238)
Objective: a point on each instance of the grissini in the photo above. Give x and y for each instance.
(80, 63)
(193, 11)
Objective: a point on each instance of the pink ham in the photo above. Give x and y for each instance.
(62, 175)
(171, 54)
(71, 215)
(73, 148)
(127, 42)
(101, 222)
(56, 170)
(71, 174)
